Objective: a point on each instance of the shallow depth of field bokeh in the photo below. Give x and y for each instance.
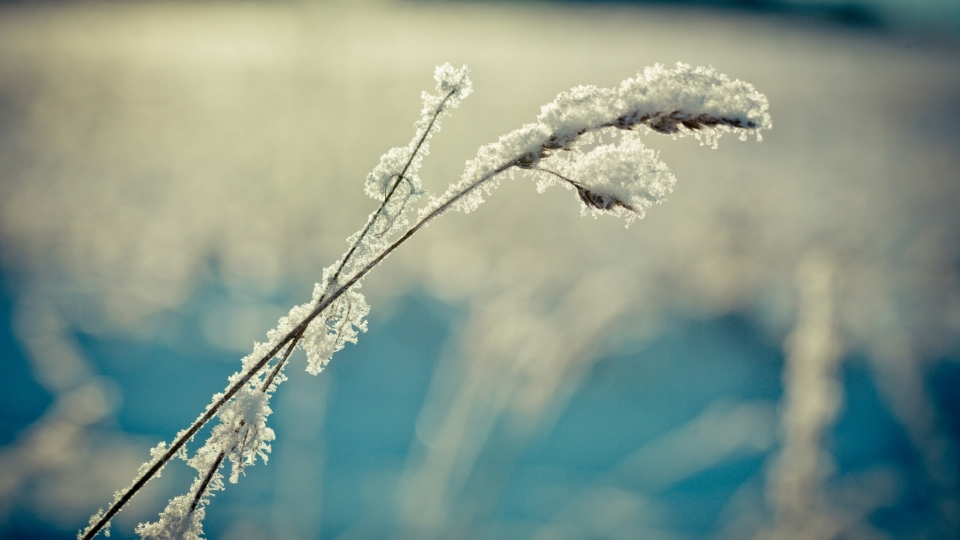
(773, 353)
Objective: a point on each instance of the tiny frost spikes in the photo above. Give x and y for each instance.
(243, 433)
(340, 324)
(177, 522)
(452, 86)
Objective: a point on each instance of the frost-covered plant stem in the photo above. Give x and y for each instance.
(202, 489)
(624, 178)
(289, 340)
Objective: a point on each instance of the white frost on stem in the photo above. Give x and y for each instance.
(182, 519)
(394, 180)
(339, 324)
(620, 179)
(242, 435)
(453, 85)
(623, 178)
(395, 183)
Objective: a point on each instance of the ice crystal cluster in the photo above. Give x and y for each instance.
(564, 146)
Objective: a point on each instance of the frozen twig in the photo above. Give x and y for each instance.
(622, 178)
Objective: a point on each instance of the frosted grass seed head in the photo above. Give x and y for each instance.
(563, 146)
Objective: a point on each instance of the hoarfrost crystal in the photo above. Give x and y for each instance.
(338, 325)
(625, 179)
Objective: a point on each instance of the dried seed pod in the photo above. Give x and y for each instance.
(531, 159)
(601, 201)
(664, 123)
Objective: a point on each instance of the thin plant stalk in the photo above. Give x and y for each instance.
(289, 340)
(624, 179)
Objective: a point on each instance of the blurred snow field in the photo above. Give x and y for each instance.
(153, 153)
